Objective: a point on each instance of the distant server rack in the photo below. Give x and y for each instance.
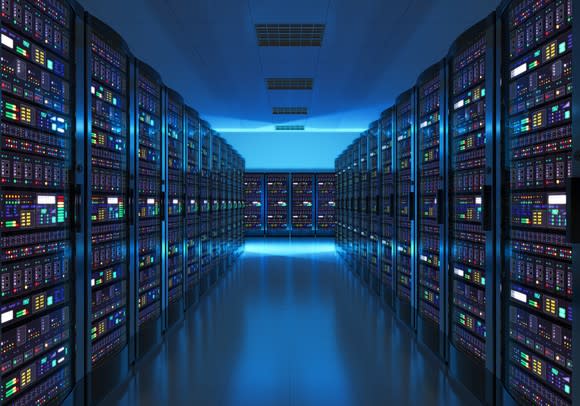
(325, 209)
(204, 198)
(387, 206)
(254, 204)
(363, 206)
(192, 205)
(302, 203)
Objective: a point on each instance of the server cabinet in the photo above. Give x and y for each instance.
(277, 196)
(406, 286)
(302, 203)
(363, 213)
(344, 203)
(471, 232)
(241, 204)
(325, 209)
(388, 206)
(192, 206)
(109, 196)
(175, 206)
(254, 206)
(215, 211)
(338, 237)
(374, 207)
(40, 265)
(227, 176)
(540, 184)
(150, 220)
(431, 169)
(356, 205)
(222, 193)
(350, 239)
(205, 243)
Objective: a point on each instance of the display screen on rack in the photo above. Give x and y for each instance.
(538, 342)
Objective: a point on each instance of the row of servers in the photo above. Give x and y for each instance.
(119, 206)
(283, 203)
(460, 206)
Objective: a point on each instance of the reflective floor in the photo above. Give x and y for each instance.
(290, 326)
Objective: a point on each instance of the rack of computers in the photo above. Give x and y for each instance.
(459, 206)
(119, 206)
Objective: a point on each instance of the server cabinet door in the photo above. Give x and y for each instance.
(150, 216)
(192, 222)
(387, 209)
(277, 198)
(38, 258)
(109, 197)
(302, 203)
(538, 141)
(471, 235)
(326, 202)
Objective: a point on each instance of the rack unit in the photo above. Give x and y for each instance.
(405, 207)
(302, 203)
(325, 208)
(431, 169)
(150, 220)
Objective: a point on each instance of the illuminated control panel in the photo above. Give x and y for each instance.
(192, 131)
(36, 162)
(538, 138)
(387, 200)
(404, 202)
(467, 259)
(254, 197)
(302, 202)
(428, 136)
(175, 204)
(277, 197)
(326, 202)
(108, 103)
(149, 130)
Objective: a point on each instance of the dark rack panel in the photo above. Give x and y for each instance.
(175, 204)
(537, 347)
(302, 203)
(36, 154)
(404, 192)
(277, 203)
(387, 203)
(326, 195)
(150, 217)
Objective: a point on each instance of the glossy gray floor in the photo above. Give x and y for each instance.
(290, 326)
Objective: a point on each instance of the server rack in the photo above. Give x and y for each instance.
(356, 204)
(215, 211)
(192, 206)
(150, 219)
(431, 230)
(540, 203)
(406, 286)
(471, 254)
(302, 203)
(241, 204)
(326, 202)
(174, 139)
(205, 243)
(277, 203)
(374, 207)
(254, 204)
(387, 131)
(363, 214)
(344, 203)
(339, 236)
(226, 159)
(40, 216)
(109, 198)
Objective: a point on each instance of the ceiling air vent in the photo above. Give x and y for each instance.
(289, 128)
(295, 111)
(290, 35)
(289, 83)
